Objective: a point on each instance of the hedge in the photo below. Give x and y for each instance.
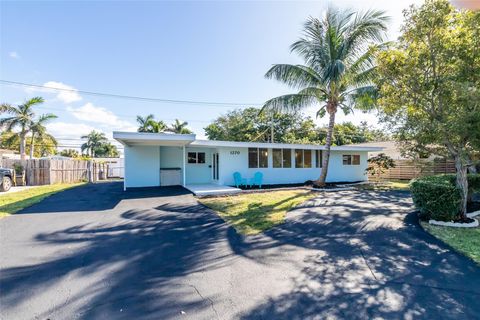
(437, 197)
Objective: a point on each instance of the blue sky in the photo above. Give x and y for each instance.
(213, 51)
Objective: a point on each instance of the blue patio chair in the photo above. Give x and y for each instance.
(257, 180)
(239, 181)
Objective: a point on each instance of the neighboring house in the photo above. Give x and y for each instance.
(9, 154)
(390, 148)
(159, 159)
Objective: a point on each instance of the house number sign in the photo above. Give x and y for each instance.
(234, 152)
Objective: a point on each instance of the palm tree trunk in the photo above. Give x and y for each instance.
(22, 145)
(32, 146)
(332, 110)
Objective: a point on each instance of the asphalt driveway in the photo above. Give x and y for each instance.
(98, 252)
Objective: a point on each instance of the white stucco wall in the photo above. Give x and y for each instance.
(197, 173)
(142, 166)
(229, 163)
(143, 163)
(171, 157)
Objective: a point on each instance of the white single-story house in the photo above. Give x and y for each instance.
(161, 159)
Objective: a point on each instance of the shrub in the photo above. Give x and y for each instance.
(474, 182)
(436, 197)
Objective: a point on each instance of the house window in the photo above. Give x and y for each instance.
(287, 158)
(351, 159)
(307, 158)
(303, 158)
(257, 157)
(277, 158)
(298, 158)
(282, 158)
(196, 157)
(318, 158)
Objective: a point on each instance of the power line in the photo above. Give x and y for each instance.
(124, 116)
(139, 98)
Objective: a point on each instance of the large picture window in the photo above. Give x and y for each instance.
(196, 157)
(303, 158)
(282, 158)
(307, 158)
(351, 159)
(298, 158)
(257, 157)
(318, 158)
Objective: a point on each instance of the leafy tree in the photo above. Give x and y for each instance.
(46, 145)
(38, 129)
(107, 150)
(248, 125)
(429, 84)
(95, 141)
(348, 133)
(71, 153)
(339, 52)
(22, 117)
(179, 127)
(379, 164)
(149, 124)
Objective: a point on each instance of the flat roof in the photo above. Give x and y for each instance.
(171, 139)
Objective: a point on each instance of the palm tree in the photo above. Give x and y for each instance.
(38, 129)
(95, 140)
(339, 52)
(71, 153)
(149, 124)
(107, 150)
(22, 117)
(179, 127)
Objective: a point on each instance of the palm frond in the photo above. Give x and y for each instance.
(289, 103)
(33, 101)
(7, 108)
(296, 76)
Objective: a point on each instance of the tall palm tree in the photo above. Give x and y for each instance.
(179, 127)
(149, 124)
(22, 117)
(95, 140)
(38, 129)
(339, 52)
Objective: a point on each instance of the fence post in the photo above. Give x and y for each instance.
(89, 171)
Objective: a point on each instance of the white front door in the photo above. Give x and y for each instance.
(215, 168)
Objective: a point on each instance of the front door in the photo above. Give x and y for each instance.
(215, 166)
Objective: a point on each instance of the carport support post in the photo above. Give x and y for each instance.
(183, 170)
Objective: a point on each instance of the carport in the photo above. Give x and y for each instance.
(154, 160)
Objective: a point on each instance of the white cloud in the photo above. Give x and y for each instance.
(67, 130)
(14, 55)
(67, 94)
(91, 113)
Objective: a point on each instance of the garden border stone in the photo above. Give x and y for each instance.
(472, 224)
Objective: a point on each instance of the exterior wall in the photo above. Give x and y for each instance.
(142, 166)
(231, 161)
(143, 163)
(197, 173)
(171, 157)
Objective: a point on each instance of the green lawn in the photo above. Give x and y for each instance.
(251, 213)
(465, 240)
(387, 185)
(16, 201)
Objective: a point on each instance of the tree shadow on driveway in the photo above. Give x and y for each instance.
(134, 267)
(370, 259)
